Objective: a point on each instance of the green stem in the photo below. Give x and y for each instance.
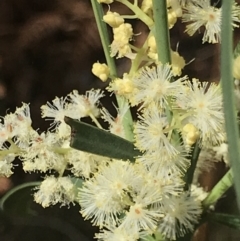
(190, 172)
(161, 31)
(219, 189)
(228, 94)
(10, 151)
(13, 149)
(102, 28)
(138, 12)
(103, 32)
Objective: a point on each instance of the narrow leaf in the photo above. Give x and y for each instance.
(19, 200)
(88, 138)
(229, 220)
(218, 190)
(231, 122)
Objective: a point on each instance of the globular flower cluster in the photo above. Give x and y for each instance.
(199, 14)
(121, 37)
(121, 197)
(49, 151)
(174, 114)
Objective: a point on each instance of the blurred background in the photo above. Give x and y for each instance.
(47, 49)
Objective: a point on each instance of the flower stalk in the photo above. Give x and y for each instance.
(161, 31)
(138, 12)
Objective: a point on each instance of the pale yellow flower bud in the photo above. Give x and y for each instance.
(236, 68)
(113, 19)
(122, 86)
(176, 7)
(152, 44)
(178, 63)
(191, 138)
(152, 51)
(101, 71)
(146, 6)
(189, 128)
(191, 133)
(120, 45)
(124, 50)
(172, 18)
(153, 55)
(174, 11)
(189, 142)
(123, 33)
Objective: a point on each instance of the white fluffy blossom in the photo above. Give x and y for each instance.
(202, 13)
(84, 105)
(83, 164)
(154, 85)
(152, 129)
(40, 154)
(55, 111)
(6, 165)
(75, 106)
(55, 190)
(17, 124)
(117, 234)
(203, 103)
(181, 214)
(102, 198)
